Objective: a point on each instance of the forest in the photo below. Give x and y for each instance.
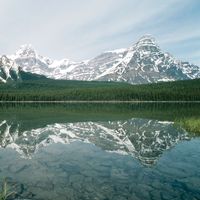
(66, 90)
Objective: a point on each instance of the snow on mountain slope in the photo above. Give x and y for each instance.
(144, 139)
(143, 62)
(8, 69)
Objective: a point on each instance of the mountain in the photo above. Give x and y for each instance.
(144, 139)
(143, 62)
(9, 71)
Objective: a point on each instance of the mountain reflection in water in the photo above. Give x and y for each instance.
(142, 138)
(99, 151)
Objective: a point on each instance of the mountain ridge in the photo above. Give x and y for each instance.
(142, 62)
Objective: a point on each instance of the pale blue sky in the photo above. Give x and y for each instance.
(81, 29)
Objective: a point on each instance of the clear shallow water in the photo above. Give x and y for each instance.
(99, 152)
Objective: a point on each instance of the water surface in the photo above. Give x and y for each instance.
(99, 151)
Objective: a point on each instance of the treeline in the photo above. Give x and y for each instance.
(96, 91)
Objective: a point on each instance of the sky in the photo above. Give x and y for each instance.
(82, 29)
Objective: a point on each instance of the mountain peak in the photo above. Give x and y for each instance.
(26, 50)
(147, 40)
(147, 37)
(148, 44)
(143, 62)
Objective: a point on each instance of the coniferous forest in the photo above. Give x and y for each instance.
(65, 90)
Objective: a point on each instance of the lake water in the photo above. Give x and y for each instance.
(99, 151)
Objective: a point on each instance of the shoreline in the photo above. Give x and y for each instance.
(111, 101)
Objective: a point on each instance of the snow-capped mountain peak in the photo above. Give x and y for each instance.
(142, 62)
(26, 50)
(146, 40)
(147, 44)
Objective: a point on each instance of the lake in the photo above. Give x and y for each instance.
(99, 151)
